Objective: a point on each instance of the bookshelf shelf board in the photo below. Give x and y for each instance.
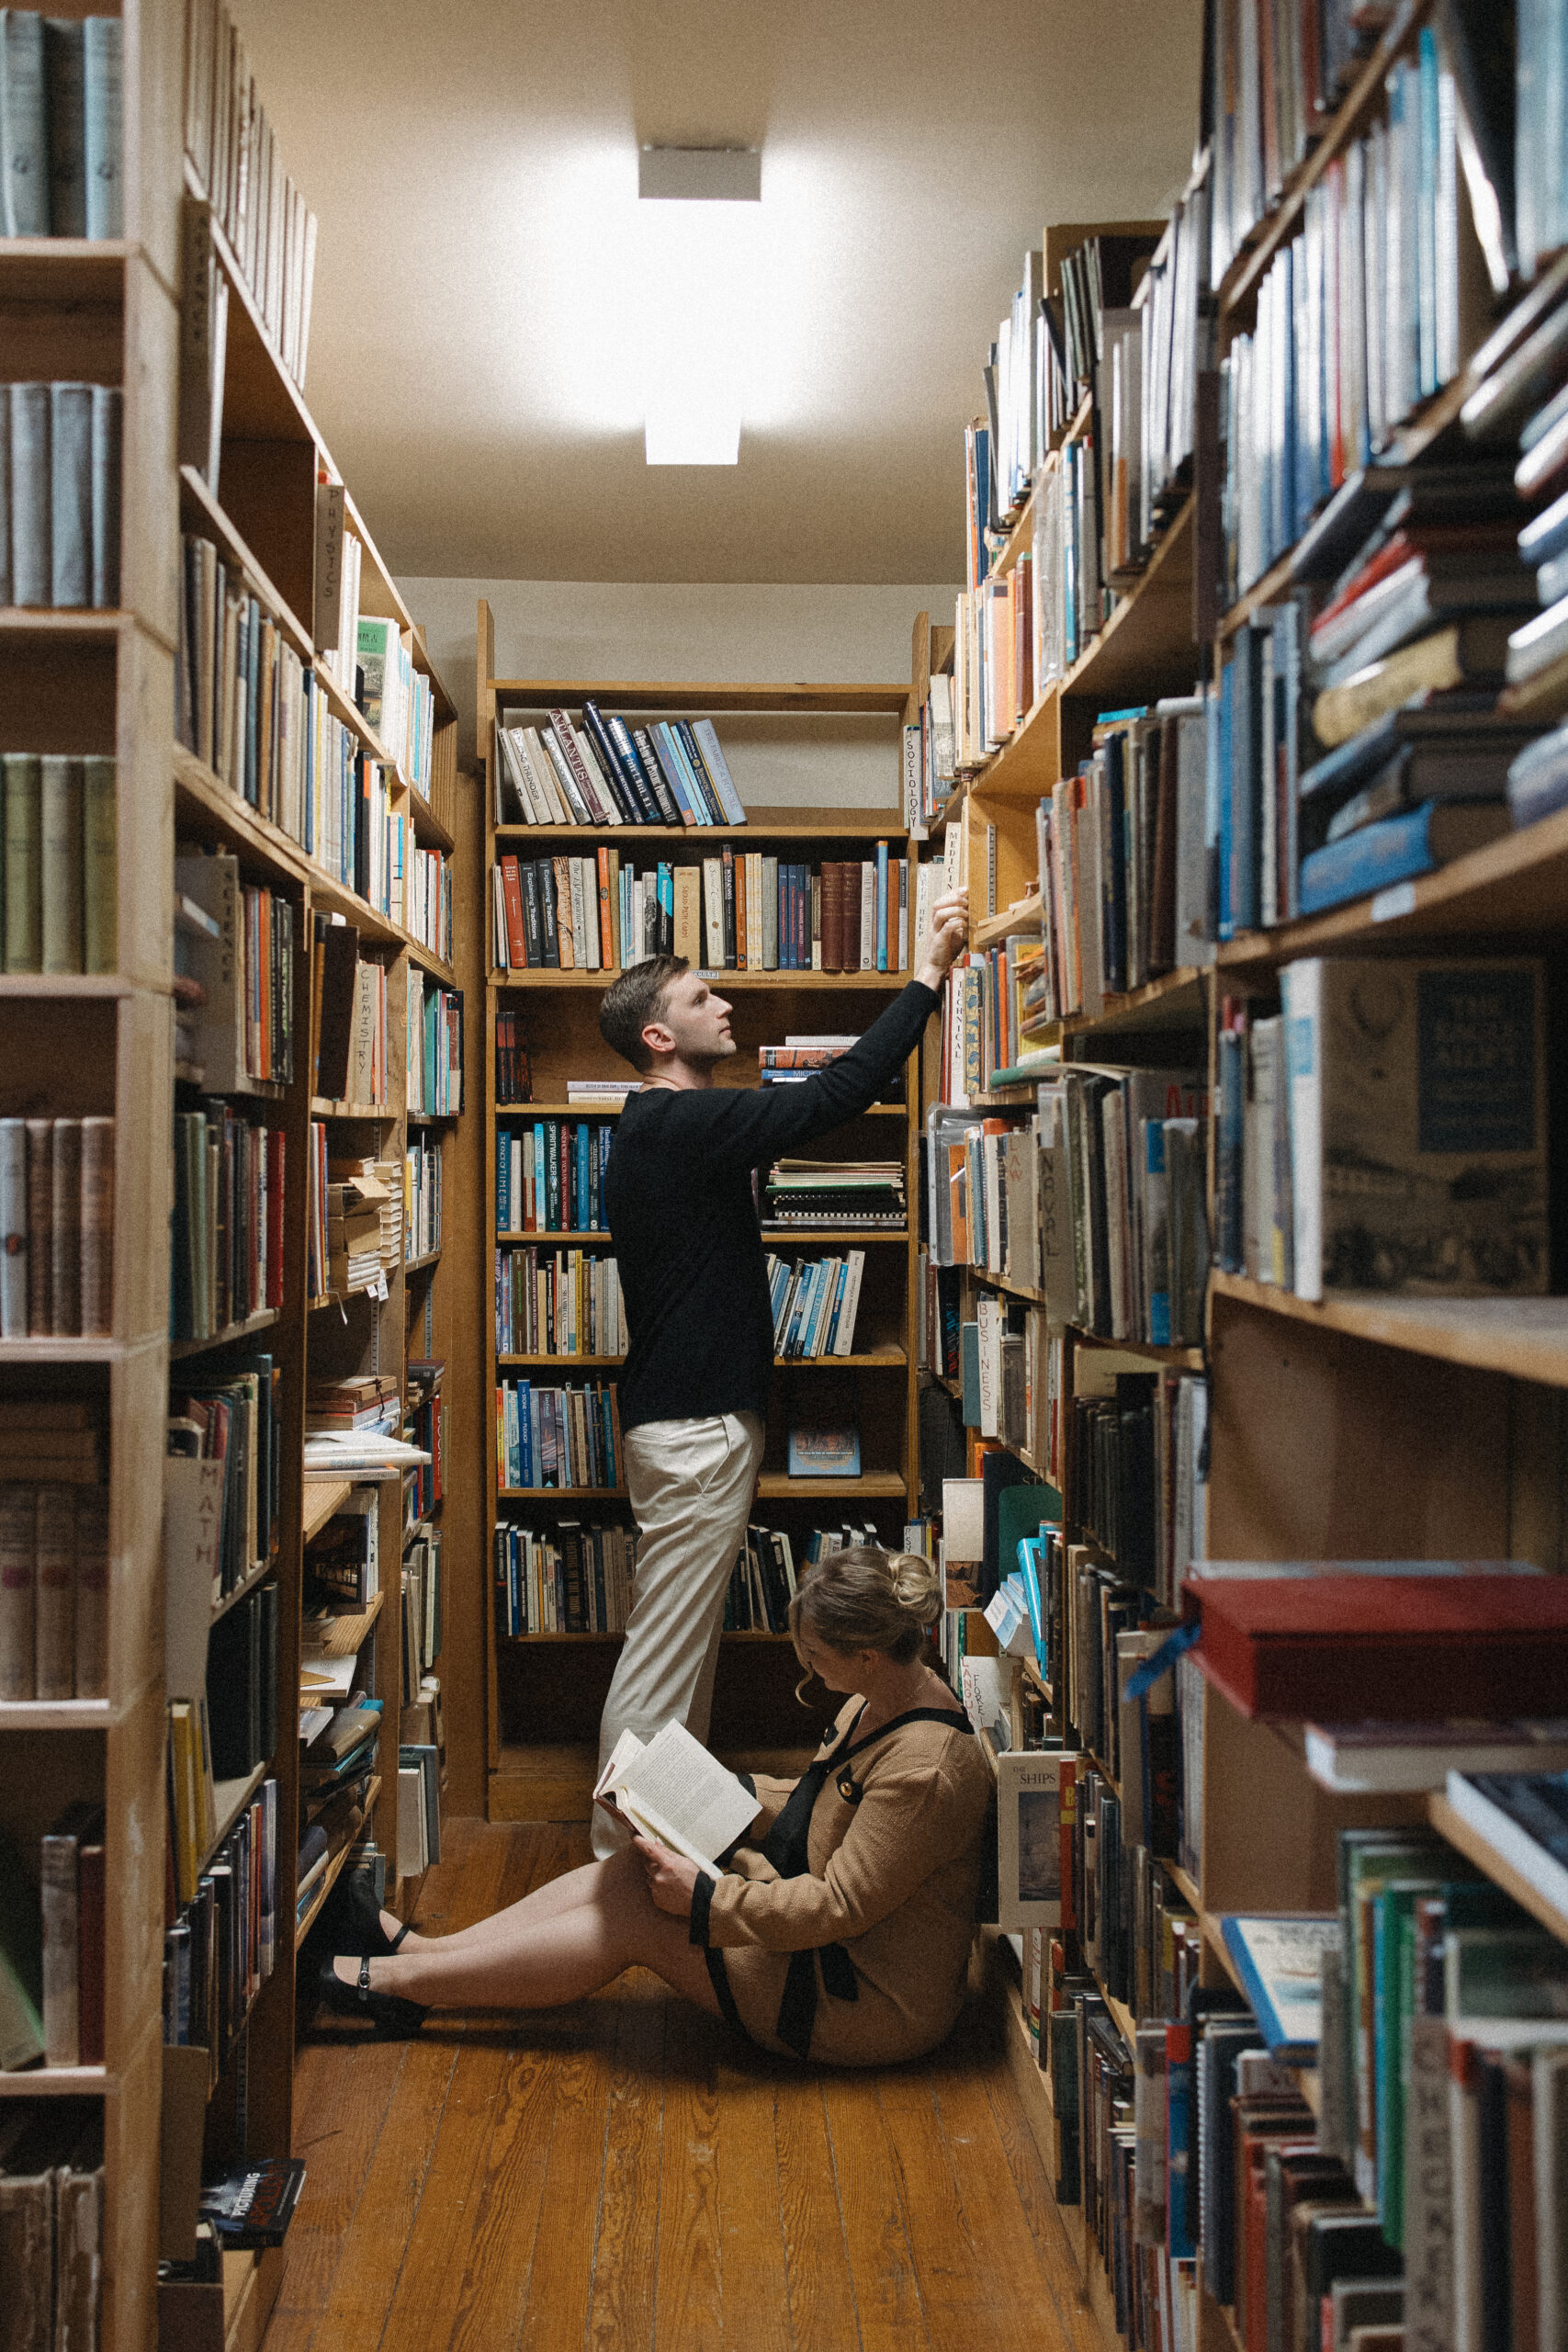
(775, 1486)
(763, 824)
(1175, 998)
(540, 1236)
(422, 1265)
(76, 272)
(1017, 919)
(789, 983)
(246, 1586)
(230, 1798)
(1183, 1359)
(1027, 763)
(1185, 1885)
(1012, 1097)
(56, 1714)
(1515, 885)
(42, 1351)
(429, 961)
(1350, 119)
(507, 1112)
(225, 1338)
(67, 984)
(321, 1108)
(876, 1360)
(202, 800)
(334, 1866)
(1126, 2024)
(1479, 1850)
(1264, 592)
(433, 1118)
(348, 1630)
(370, 923)
(1020, 536)
(1525, 1339)
(954, 806)
(428, 829)
(321, 1501)
(57, 2082)
(567, 1363)
(44, 621)
(560, 1494)
(1148, 637)
(802, 1235)
(642, 693)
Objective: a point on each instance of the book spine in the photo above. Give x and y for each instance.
(96, 1213)
(57, 1902)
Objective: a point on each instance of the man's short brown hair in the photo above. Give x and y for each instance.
(631, 1003)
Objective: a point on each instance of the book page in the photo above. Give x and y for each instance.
(677, 1778)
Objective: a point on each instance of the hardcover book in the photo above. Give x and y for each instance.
(824, 1452)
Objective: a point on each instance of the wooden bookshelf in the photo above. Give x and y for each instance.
(546, 1691)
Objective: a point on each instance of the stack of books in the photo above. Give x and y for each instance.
(224, 1267)
(559, 1437)
(815, 1304)
(823, 1193)
(604, 771)
(367, 1400)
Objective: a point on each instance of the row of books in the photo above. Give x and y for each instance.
(420, 1606)
(54, 1563)
(1368, 312)
(513, 1072)
(233, 978)
(59, 519)
(348, 1015)
(241, 1685)
(422, 1196)
(549, 1176)
(1138, 1443)
(603, 771)
(749, 911)
(994, 651)
(762, 1583)
(61, 87)
(1386, 1130)
(52, 2201)
(221, 1947)
(51, 1947)
(226, 1239)
(425, 1426)
(56, 1227)
(254, 712)
(557, 1303)
(222, 1479)
(58, 825)
(425, 912)
(1273, 75)
(574, 1579)
(1121, 863)
(434, 1048)
(567, 1438)
(270, 230)
(930, 749)
(396, 699)
(983, 1193)
(815, 1304)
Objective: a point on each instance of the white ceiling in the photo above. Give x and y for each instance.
(473, 356)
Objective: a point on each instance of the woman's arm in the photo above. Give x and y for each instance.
(905, 1826)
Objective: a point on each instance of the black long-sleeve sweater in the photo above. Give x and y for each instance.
(678, 1189)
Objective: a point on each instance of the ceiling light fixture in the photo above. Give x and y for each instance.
(698, 216)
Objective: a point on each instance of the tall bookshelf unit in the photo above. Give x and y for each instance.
(1368, 1427)
(87, 683)
(548, 1690)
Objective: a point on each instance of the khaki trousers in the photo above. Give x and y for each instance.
(691, 1484)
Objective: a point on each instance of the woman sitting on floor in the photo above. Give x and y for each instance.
(841, 1927)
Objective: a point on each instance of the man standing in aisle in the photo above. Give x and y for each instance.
(693, 1394)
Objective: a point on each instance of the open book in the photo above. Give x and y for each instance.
(671, 1788)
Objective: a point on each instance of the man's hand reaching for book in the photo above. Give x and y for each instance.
(671, 1878)
(948, 937)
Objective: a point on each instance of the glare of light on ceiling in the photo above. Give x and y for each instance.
(698, 236)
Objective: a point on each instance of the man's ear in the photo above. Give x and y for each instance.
(657, 1038)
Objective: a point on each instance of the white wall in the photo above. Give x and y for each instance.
(766, 634)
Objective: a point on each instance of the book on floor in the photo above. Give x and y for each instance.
(670, 1789)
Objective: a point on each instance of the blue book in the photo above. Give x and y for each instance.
(1546, 535)
(1396, 850)
(1279, 1958)
(503, 1180)
(1227, 791)
(579, 1206)
(969, 1374)
(1537, 780)
(1029, 1551)
(1182, 2152)
(882, 906)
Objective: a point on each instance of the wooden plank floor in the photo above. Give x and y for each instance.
(624, 2176)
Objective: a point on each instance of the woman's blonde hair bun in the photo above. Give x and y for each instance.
(865, 1598)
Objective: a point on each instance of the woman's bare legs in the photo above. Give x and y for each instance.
(536, 1955)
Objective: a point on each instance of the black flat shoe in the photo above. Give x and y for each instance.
(354, 1918)
(393, 2018)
